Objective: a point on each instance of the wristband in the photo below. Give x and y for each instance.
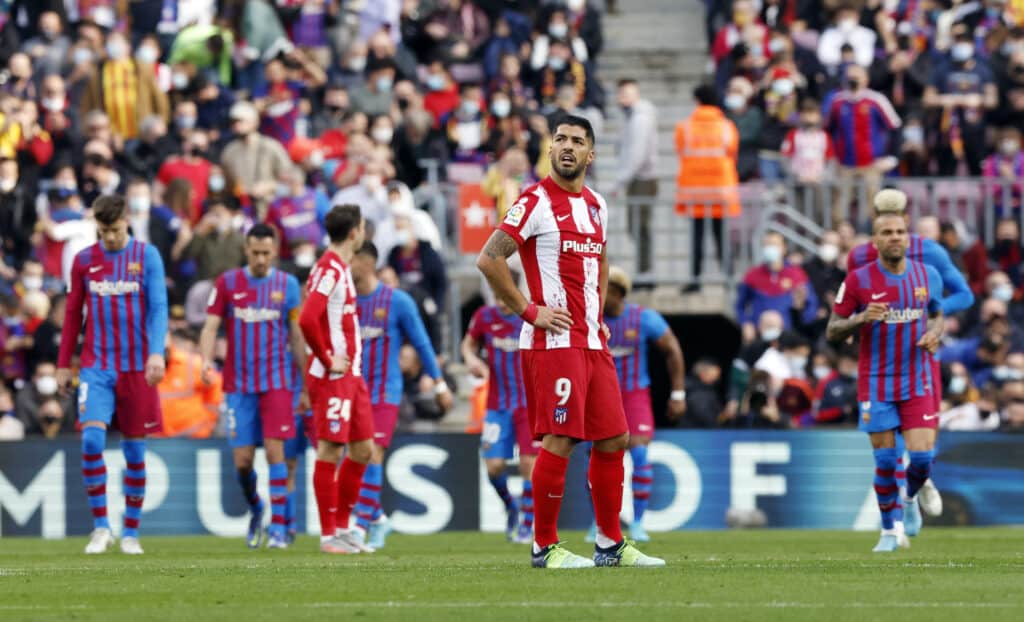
(677, 396)
(441, 387)
(529, 314)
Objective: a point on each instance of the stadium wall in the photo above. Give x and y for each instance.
(798, 479)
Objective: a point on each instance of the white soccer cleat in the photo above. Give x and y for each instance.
(351, 538)
(99, 541)
(929, 499)
(131, 546)
(335, 546)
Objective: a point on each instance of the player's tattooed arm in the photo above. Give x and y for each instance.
(932, 338)
(840, 328)
(492, 262)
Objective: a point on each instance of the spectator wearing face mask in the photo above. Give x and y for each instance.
(123, 89)
(46, 337)
(769, 329)
(402, 208)
(558, 29)
(744, 28)
(369, 192)
(298, 214)
(749, 122)
(49, 48)
(846, 30)
(254, 161)
(42, 410)
(193, 166)
(703, 404)
(1005, 168)
(421, 272)
(781, 106)
(375, 96)
(824, 271)
(962, 91)
(561, 69)
(967, 410)
(467, 127)
(835, 400)
(809, 155)
(217, 246)
(332, 112)
(442, 92)
(772, 285)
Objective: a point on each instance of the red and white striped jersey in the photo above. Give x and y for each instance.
(561, 236)
(332, 293)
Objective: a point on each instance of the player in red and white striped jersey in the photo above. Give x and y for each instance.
(572, 392)
(340, 399)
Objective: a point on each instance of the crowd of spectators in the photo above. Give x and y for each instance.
(787, 375)
(211, 115)
(906, 89)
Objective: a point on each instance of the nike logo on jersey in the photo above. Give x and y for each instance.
(497, 327)
(150, 424)
(877, 296)
(551, 496)
(930, 417)
(95, 269)
(562, 218)
(285, 428)
(240, 296)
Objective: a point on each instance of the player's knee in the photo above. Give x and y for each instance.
(885, 458)
(495, 467)
(94, 439)
(617, 443)
(361, 452)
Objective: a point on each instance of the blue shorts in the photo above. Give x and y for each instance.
(122, 400)
(255, 416)
(303, 439)
(916, 412)
(503, 430)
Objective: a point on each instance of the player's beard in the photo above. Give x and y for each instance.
(569, 173)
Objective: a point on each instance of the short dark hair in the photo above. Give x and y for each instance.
(706, 95)
(370, 249)
(261, 231)
(108, 209)
(137, 181)
(577, 121)
(627, 82)
(341, 220)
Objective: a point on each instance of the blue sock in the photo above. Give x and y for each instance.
(134, 485)
(526, 505)
(500, 484)
(643, 481)
(247, 480)
(94, 474)
(289, 511)
(885, 484)
(368, 504)
(278, 497)
(919, 471)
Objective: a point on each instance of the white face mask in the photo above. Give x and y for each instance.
(828, 252)
(822, 371)
(46, 385)
(558, 31)
(7, 184)
(305, 259)
(771, 254)
(957, 385)
(847, 25)
(179, 80)
(382, 135)
(146, 55)
(216, 183)
(576, 5)
(1003, 292)
(797, 364)
(372, 183)
(734, 101)
(139, 205)
(403, 237)
(501, 108)
(53, 104)
(771, 334)
(32, 283)
(115, 50)
(316, 159)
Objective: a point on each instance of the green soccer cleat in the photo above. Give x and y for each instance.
(555, 556)
(625, 554)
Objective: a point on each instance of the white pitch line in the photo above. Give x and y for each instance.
(650, 604)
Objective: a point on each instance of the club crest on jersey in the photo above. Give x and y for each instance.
(595, 214)
(561, 414)
(134, 267)
(277, 296)
(921, 293)
(631, 333)
(380, 314)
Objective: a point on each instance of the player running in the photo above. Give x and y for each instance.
(387, 318)
(896, 306)
(341, 402)
(572, 393)
(118, 286)
(259, 305)
(959, 298)
(496, 329)
(632, 328)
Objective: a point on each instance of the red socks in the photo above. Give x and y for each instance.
(606, 476)
(350, 479)
(326, 490)
(548, 488)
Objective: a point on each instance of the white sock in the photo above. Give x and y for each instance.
(325, 538)
(602, 540)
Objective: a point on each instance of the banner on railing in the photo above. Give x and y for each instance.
(477, 218)
(437, 482)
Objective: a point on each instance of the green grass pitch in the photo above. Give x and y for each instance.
(949, 574)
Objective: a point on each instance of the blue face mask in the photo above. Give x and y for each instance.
(384, 84)
(435, 82)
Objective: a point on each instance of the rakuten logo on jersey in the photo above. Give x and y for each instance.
(582, 248)
(113, 288)
(370, 332)
(505, 344)
(251, 315)
(902, 316)
(619, 352)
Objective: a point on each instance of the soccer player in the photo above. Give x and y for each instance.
(632, 329)
(334, 379)
(495, 329)
(896, 306)
(259, 305)
(572, 393)
(387, 318)
(117, 286)
(295, 447)
(959, 298)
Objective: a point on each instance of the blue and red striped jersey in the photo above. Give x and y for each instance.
(122, 298)
(892, 367)
(499, 336)
(257, 314)
(859, 124)
(631, 333)
(930, 253)
(387, 318)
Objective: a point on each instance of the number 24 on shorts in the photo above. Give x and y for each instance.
(339, 409)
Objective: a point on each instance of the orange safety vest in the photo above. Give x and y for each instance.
(707, 143)
(190, 408)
